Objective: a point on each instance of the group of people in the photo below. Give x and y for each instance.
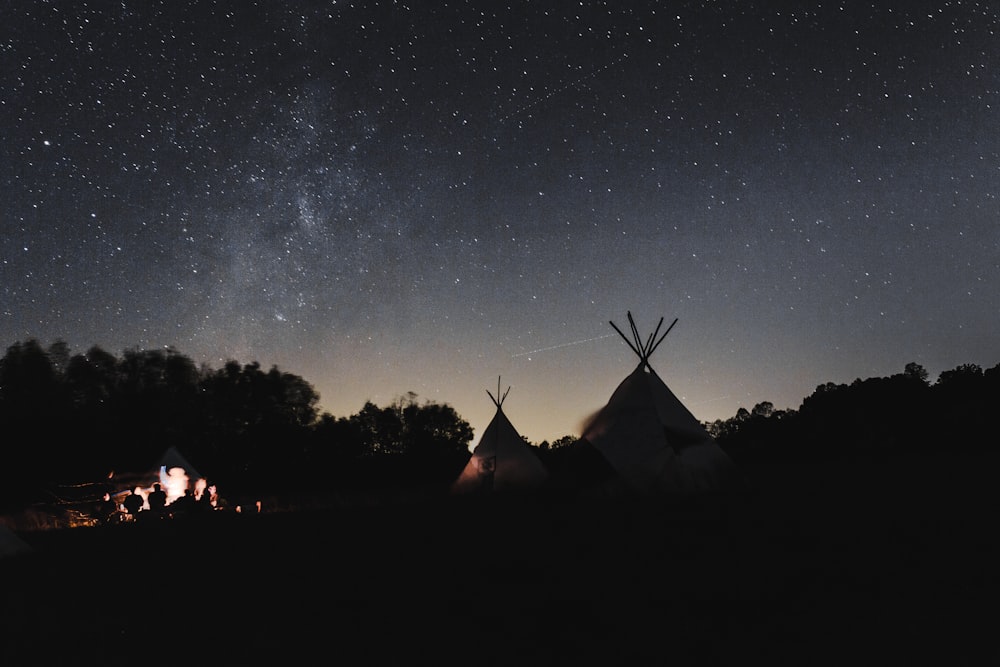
(134, 507)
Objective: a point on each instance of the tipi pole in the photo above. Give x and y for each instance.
(624, 338)
(657, 344)
(652, 337)
(635, 333)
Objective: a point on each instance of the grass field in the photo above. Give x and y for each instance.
(895, 562)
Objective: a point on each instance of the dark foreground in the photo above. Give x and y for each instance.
(889, 563)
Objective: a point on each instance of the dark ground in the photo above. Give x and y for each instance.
(883, 563)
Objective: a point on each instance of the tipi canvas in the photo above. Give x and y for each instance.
(502, 461)
(651, 440)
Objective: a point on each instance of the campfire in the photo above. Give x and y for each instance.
(175, 483)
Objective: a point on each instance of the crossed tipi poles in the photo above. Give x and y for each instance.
(644, 348)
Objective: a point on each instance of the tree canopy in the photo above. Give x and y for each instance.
(70, 417)
(875, 417)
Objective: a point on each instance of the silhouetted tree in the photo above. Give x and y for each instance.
(59, 355)
(92, 379)
(403, 444)
(435, 430)
(257, 423)
(32, 414)
(437, 440)
(157, 404)
(564, 441)
(92, 385)
(964, 405)
(965, 377)
(915, 371)
(334, 451)
(381, 429)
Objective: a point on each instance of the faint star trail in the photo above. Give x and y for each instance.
(561, 345)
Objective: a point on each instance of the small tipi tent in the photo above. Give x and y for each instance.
(652, 441)
(172, 471)
(176, 474)
(502, 461)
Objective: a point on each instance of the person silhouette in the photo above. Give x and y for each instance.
(108, 510)
(205, 502)
(133, 504)
(183, 505)
(157, 500)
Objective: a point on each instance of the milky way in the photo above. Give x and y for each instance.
(388, 197)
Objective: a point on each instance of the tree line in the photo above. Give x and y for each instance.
(67, 418)
(875, 418)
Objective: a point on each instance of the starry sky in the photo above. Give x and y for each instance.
(390, 197)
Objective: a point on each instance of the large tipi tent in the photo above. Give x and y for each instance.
(502, 461)
(654, 444)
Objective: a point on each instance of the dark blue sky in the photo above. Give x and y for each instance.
(389, 197)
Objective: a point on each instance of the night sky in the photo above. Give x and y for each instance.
(386, 197)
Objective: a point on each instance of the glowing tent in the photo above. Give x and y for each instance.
(502, 461)
(176, 475)
(172, 471)
(653, 443)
